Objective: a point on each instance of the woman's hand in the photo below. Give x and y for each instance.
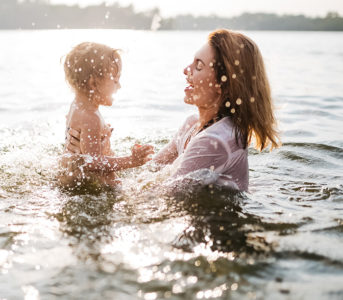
(73, 141)
(141, 154)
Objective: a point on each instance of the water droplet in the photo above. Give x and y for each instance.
(234, 76)
(252, 99)
(101, 57)
(80, 69)
(232, 110)
(211, 64)
(224, 78)
(214, 144)
(239, 101)
(92, 60)
(238, 51)
(236, 62)
(210, 84)
(242, 46)
(227, 104)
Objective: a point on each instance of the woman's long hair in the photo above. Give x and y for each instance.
(246, 95)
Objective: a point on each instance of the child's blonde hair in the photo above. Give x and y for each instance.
(90, 60)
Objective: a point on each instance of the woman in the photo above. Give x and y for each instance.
(228, 84)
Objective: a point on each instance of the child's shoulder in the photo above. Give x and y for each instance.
(82, 118)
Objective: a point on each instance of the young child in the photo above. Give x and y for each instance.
(93, 71)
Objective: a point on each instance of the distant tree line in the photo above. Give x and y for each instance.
(39, 14)
(256, 21)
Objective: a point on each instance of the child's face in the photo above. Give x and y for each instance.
(108, 86)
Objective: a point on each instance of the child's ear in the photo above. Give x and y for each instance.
(91, 83)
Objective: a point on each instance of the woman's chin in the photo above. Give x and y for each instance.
(188, 99)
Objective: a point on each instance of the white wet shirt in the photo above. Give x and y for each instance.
(214, 148)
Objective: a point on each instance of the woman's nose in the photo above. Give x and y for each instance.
(187, 70)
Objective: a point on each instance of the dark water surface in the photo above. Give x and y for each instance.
(151, 240)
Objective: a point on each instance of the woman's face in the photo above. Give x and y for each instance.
(203, 90)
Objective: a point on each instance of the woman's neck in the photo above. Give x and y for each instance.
(206, 115)
(86, 102)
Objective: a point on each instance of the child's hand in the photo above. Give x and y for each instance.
(141, 154)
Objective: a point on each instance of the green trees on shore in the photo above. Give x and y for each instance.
(39, 14)
(257, 21)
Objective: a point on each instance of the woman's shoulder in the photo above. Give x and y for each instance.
(220, 133)
(191, 120)
(188, 123)
(222, 129)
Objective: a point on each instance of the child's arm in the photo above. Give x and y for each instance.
(140, 156)
(90, 135)
(90, 143)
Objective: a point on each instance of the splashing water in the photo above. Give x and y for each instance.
(157, 238)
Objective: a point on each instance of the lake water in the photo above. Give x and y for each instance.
(282, 240)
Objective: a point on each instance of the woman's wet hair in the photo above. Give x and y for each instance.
(246, 96)
(90, 60)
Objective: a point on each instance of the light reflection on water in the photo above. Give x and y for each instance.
(282, 240)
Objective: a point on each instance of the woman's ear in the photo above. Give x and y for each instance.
(218, 89)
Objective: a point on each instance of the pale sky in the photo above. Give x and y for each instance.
(225, 8)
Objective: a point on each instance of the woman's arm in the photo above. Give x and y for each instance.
(167, 154)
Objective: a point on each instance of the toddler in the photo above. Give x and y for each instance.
(93, 71)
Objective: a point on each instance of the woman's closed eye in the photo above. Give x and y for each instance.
(199, 65)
